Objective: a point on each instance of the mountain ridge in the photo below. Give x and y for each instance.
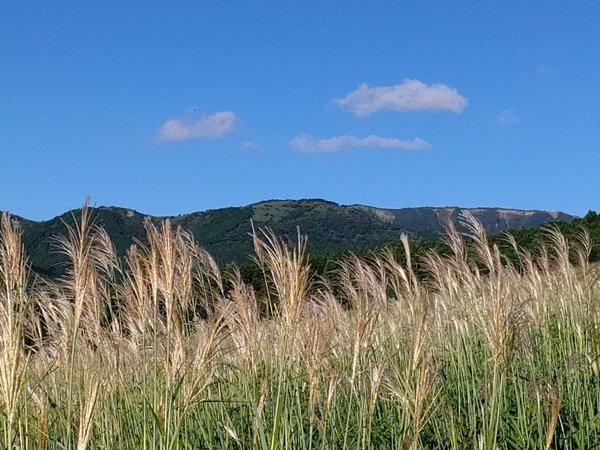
(316, 199)
(331, 227)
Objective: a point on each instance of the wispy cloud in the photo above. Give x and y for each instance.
(545, 70)
(410, 95)
(207, 126)
(251, 146)
(542, 69)
(307, 144)
(507, 118)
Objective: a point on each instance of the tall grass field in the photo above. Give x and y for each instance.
(163, 350)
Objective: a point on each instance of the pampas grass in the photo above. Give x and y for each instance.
(163, 350)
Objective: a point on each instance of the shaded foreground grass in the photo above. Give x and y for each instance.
(165, 351)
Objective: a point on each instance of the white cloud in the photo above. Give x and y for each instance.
(507, 118)
(214, 125)
(307, 144)
(409, 95)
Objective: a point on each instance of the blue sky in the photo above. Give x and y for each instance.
(170, 107)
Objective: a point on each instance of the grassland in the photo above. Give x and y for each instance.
(163, 350)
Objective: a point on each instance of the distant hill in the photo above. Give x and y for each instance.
(330, 227)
